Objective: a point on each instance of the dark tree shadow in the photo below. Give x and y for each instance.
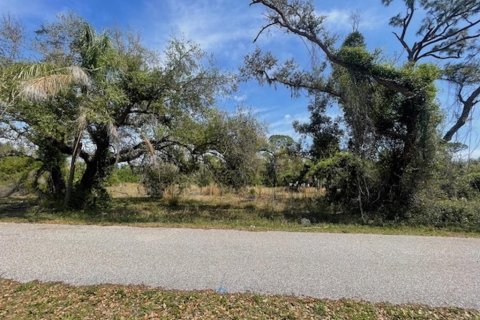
(149, 210)
(15, 207)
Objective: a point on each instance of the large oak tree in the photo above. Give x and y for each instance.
(104, 99)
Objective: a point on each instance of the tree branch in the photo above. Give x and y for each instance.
(282, 20)
(468, 105)
(263, 29)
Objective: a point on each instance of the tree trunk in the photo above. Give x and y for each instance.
(405, 173)
(57, 182)
(71, 174)
(53, 161)
(95, 173)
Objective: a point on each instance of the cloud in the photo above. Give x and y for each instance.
(213, 24)
(27, 9)
(284, 125)
(240, 98)
(340, 20)
(262, 110)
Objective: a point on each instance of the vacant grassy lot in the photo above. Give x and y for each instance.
(36, 300)
(256, 209)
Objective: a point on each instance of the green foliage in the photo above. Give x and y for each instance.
(357, 56)
(16, 172)
(459, 213)
(203, 176)
(158, 177)
(452, 196)
(354, 39)
(16, 168)
(324, 131)
(284, 164)
(123, 174)
(238, 139)
(394, 132)
(96, 199)
(453, 179)
(117, 100)
(348, 180)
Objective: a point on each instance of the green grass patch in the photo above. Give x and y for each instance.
(37, 300)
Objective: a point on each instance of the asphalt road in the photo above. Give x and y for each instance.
(397, 269)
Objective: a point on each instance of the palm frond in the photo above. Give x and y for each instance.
(81, 121)
(79, 76)
(43, 87)
(150, 149)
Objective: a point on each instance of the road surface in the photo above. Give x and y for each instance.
(397, 269)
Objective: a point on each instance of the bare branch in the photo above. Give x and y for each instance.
(468, 105)
(263, 29)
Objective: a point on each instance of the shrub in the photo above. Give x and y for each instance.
(474, 182)
(98, 199)
(158, 177)
(461, 213)
(348, 180)
(16, 174)
(123, 174)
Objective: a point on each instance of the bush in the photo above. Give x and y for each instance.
(14, 168)
(98, 199)
(158, 177)
(446, 213)
(203, 176)
(123, 174)
(16, 175)
(474, 182)
(349, 182)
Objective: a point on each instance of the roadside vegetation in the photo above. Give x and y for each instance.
(253, 209)
(36, 300)
(83, 111)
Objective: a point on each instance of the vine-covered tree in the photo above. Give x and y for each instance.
(448, 31)
(390, 111)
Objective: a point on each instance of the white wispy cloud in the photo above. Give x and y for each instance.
(340, 20)
(284, 125)
(240, 98)
(213, 24)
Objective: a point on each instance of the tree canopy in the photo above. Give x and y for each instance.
(104, 98)
(390, 110)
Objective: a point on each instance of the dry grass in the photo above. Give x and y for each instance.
(253, 209)
(127, 190)
(262, 198)
(36, 300)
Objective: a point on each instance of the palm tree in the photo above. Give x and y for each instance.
(39, 82)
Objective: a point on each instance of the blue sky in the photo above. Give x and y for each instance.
(226, 28)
